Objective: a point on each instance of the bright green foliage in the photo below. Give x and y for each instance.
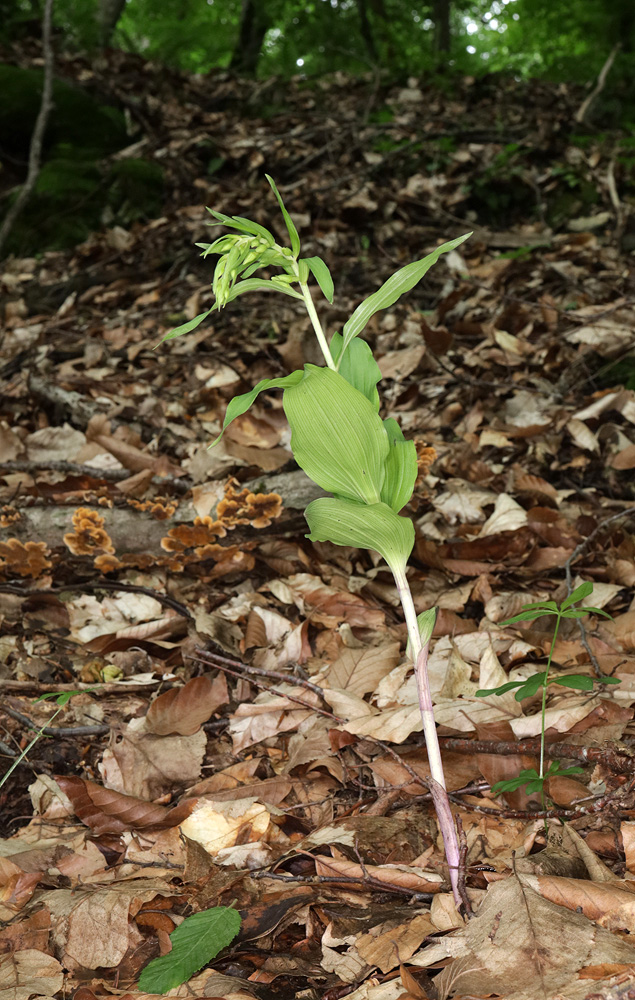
(364, 526)
(337, 436)
(401, 467)
(531, 780)
(358, 366)
(195, 942)
(528, 688)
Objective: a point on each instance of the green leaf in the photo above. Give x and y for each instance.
(337, 437)
(258, 284)
(401, 466)
(293, 232)
(364, 526)
(525, 776)
(578, 681)
(546, 605)
(253, 228)
(322, 275)
(530, 687)
(581, 612)
(240, 404)
(608, 680)
(578, 594)
(556, 770)
(195, 942)
(425, 623)
(357, 365)
(526, 616)
(399, 283)
(501, 689)
(186, 327)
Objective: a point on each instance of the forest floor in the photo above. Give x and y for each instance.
(244, 728)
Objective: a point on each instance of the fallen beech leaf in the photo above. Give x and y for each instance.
(28, 973)
(106, 811)
(184, 710)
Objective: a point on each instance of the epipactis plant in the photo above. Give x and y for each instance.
(529, 778)
(338, 436)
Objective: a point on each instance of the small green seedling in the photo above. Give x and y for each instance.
(530, 779)
(337, 434)
(61, 701)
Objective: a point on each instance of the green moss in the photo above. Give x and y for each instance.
(76, 117)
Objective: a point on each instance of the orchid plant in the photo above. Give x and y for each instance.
(338, 436)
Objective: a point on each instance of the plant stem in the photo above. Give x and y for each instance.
(543, 714)
(437, 785)
(37, 736)
(317, 326)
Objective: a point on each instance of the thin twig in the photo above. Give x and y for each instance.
(216, 659)
(98, 730)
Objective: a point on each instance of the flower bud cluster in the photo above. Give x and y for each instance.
(241, 255)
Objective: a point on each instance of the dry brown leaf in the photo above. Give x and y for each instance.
(521, 947)
(184, 710)
(29, 973)
(106, 811)
(147, 766)
(609, 904)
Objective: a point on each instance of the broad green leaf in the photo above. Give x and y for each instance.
(195, 942)
(293, 232)
(578, 594)
(186, 327)
(364, 526)
(401, 466)
(240, 404)
(337, 437)
(399, 283)
(322, 275)
(607, 680)
(357, 366)
(578, 681)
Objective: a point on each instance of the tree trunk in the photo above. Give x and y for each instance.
(254, 24)
(366, 31)
(109, 13)
(442, 25)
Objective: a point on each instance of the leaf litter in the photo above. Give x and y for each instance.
(246, 732)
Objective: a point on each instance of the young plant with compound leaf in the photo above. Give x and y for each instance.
(338, 436)
(529, 778)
